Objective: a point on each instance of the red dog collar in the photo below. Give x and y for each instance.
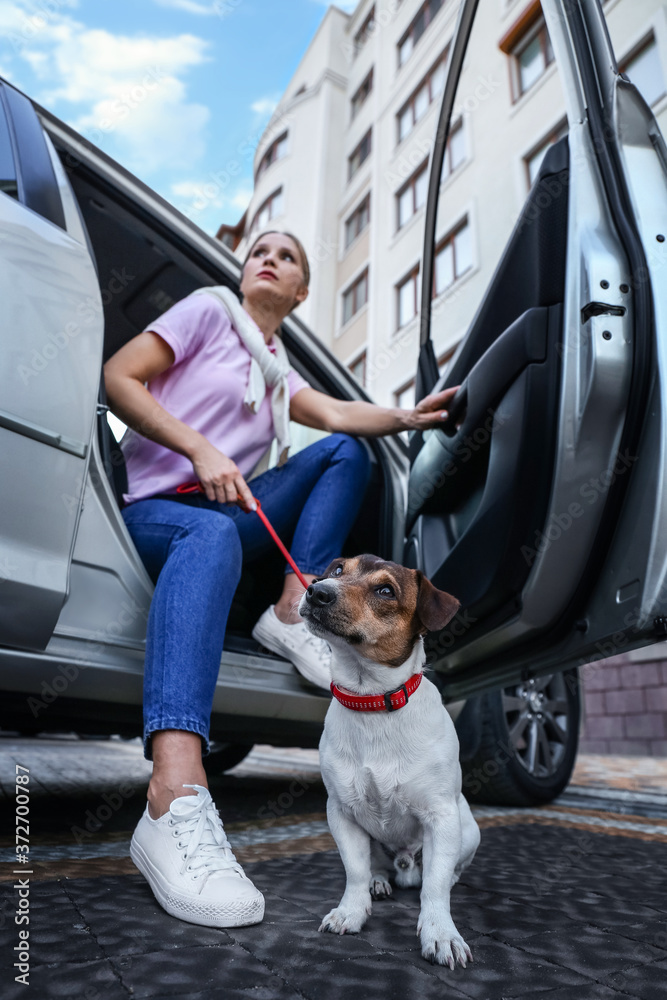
(389, 702)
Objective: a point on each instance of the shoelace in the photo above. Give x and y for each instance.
(207, 847)
(321, 645)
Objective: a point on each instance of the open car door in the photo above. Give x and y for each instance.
(50, 363)
(542, 504)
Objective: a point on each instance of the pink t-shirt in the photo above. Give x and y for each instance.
(204, 388)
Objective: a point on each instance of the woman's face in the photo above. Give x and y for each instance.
(272, 275)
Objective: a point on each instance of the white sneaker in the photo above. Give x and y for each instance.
(189, 865)
(310, 655)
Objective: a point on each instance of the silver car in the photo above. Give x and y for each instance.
(540, 505)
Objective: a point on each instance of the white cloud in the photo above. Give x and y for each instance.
(211, 192)
(123, 92)
(347, 5)
(190, 7)
(265, 106)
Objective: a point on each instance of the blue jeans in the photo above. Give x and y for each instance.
(194, 555)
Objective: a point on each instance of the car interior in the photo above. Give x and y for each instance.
(142, 272)
(468, 483)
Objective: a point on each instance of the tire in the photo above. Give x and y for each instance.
(224, 756)
(524, 750)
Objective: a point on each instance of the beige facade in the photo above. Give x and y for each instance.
(357, 122)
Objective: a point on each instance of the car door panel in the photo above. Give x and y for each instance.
(521, 530)
(50, 357)
(490, 481)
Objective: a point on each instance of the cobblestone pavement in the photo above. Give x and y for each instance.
(567, 901)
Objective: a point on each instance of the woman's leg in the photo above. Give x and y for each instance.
(316, 495)
(194, 556)
(179, 844)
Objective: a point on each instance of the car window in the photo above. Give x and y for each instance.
(509, 105)
(8, 181)
(38, 188)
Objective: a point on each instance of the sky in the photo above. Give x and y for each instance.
(178, 91)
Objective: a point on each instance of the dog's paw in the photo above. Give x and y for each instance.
(380, 887)
(443, 945)
(342, 921)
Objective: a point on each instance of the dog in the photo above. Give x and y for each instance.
(389, 750)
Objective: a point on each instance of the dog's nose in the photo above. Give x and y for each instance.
(317, 593)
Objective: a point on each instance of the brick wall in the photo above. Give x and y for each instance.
(625, 707)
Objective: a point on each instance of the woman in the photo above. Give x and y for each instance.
(205, 389)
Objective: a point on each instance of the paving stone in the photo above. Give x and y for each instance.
(499, 970)
(163, 972)
(647, 981)
(385, 977)
(593, 992)
(547, 910)
(49, 914)
(94, 980)
(508, 920)
(275, 990)
(591, 951)
(127, 919)
(285, 948)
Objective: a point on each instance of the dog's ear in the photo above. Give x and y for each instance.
(434, 607)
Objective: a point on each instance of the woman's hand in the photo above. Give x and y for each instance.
(219, 475)
(432, 410)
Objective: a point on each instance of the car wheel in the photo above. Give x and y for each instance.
(225, 756)
(524, 750)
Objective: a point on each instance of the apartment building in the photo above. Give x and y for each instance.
(344, 163)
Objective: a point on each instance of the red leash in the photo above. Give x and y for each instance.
(194, 487)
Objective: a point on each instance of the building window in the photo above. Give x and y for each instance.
(420, 101)
(355, 297)
(533, 161)
(358, 369)
(407, 295)
(360, 154)
(365, 31)
(357, 222)
(361, 94)
(453, 257)
(455, 153)
(276, 151)
(645, 71)
(273, 206)
(445, 358)
(412, 196)
(419, 24)
(404, 398)
(531, 56)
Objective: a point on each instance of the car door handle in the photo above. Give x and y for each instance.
(521, 344)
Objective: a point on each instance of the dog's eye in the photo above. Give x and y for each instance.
(385, 591)
(337, 571)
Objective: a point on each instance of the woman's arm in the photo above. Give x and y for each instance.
(316, 409)
(144, 358)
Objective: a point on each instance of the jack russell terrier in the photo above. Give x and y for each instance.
(389, 751)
